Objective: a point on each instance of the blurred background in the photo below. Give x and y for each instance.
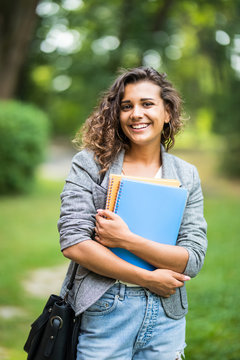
(56, 57)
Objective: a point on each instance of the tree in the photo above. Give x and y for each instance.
(17, 23)
(78, 46)
(76, 51)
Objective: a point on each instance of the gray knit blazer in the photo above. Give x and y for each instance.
(85, 192)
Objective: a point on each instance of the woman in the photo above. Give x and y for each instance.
(129, 312)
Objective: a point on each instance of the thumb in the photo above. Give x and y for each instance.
(106, 213)
(181, 277)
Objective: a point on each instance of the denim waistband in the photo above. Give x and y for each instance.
(122, 290)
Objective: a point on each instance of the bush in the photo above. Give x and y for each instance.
(23, 138)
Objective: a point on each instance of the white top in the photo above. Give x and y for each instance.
(159, 173)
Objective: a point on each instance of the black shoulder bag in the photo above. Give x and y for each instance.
(54, 334)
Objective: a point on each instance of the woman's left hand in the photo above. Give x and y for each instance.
(111, 230)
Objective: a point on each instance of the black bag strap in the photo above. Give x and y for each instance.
(72, 278)
(71, 281)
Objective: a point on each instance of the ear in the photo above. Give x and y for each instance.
(167, 115)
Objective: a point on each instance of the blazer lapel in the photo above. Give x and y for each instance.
(168, 170)
(115, 168)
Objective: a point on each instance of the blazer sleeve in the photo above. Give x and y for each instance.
(77, 215)
(193, 230)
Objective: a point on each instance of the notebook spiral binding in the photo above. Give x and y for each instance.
(109, 193)
(118, 197)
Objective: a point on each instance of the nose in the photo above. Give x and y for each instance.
(136, 113)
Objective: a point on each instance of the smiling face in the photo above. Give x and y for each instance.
(143, 113)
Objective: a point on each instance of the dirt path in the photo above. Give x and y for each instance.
(58, 162)
(39, 283)
(45, 281)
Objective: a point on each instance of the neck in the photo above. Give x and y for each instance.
(145, 155)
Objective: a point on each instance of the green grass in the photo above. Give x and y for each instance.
(29, 235)
(213, 322)
(29, 240)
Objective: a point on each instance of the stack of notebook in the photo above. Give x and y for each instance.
(152, 208)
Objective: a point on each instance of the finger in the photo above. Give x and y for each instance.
(100, 220)
(181, 277)
(99, 217)
(179, 284)
(96, 217)
(166, 296)
(97, 226)
(106, 213)
(171, 292)
(98, 239)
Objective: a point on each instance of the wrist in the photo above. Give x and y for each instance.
(143, 278)
(133, 242)
(125, 240)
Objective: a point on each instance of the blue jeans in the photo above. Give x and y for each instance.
(129, 323)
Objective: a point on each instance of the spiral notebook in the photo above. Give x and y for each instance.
(114, 182)
(153, 211)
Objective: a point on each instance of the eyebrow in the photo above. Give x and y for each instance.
(142, 99)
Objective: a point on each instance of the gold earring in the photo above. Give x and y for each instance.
(167, 131)
(119, 136)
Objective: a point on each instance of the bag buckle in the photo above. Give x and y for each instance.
(56, 318)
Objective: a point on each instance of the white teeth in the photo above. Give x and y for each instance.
(139, 126)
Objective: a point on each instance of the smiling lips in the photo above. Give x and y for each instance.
(139, 126)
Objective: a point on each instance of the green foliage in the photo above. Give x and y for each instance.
(23, 137)
(78, 47)
(177, 37)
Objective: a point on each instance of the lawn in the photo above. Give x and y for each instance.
(214, 319)
(29, 240)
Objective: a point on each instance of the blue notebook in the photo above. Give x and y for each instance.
(152, 211)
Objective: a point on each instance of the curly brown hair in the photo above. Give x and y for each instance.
(102, 132)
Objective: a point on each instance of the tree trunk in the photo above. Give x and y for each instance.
(17, 21)
(161, 16)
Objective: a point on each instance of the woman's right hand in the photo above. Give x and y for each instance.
(164, 282)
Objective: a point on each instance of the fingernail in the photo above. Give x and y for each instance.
(99, 210)
(187, 277)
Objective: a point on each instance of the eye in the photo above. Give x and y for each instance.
(147, 104)
(126, 107)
